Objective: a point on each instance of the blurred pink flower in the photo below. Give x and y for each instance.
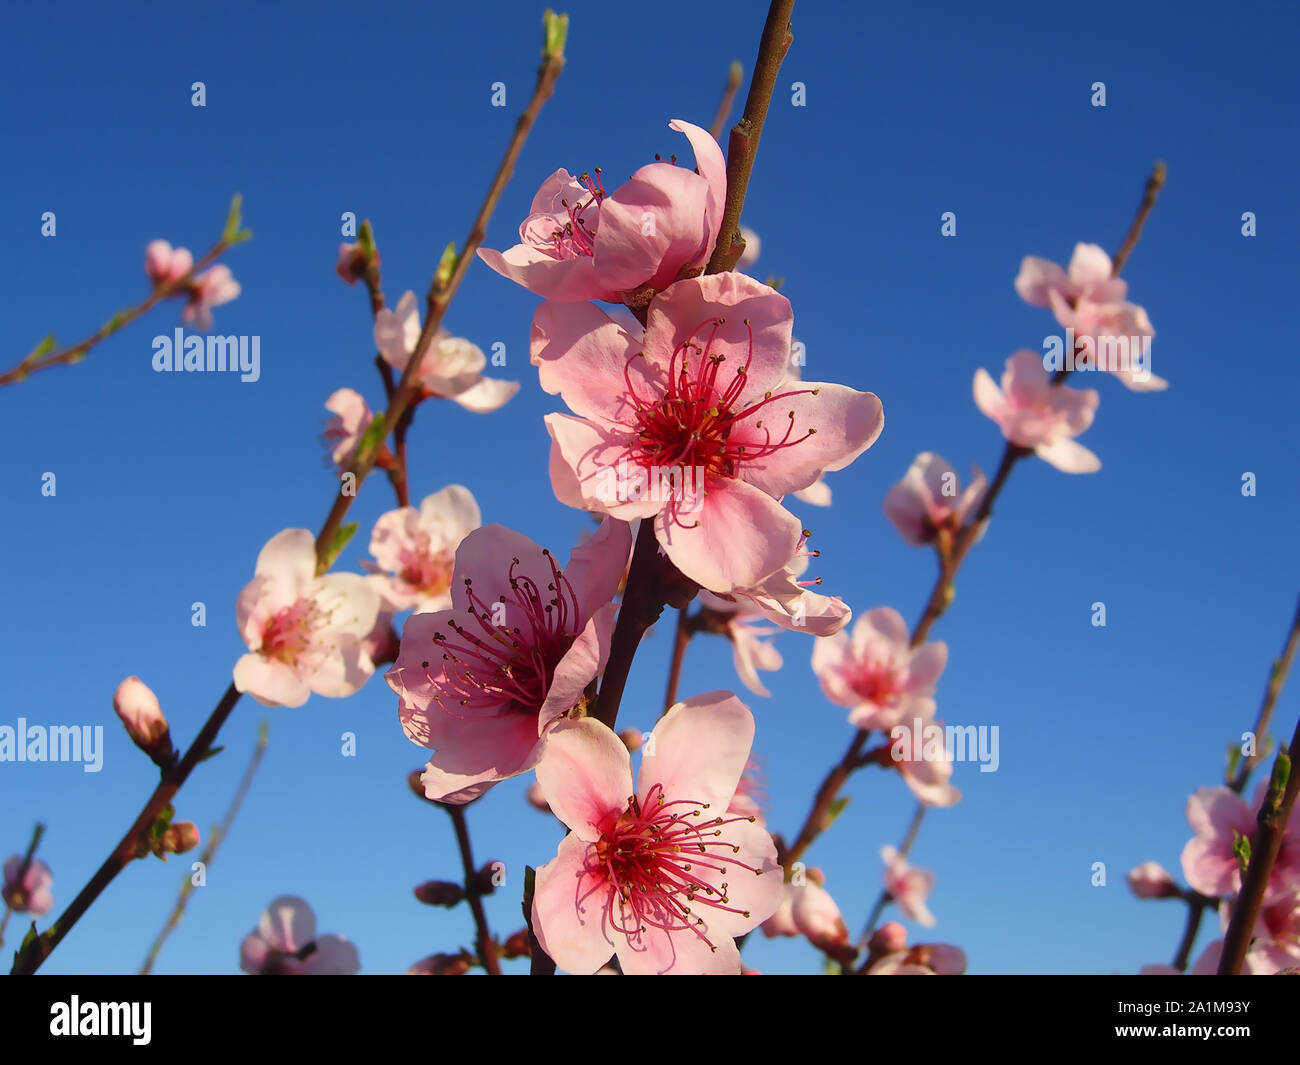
(164, 264)
(484, 681)
(344, 431)
(304, 633)
(1033, 413)
(27, 891)
(285, 943)
(808, 910)
(1209, 865)
(415, 550)
(927, 500)
(1150, 881)
(1090, 301)
(698, 425)
(908, 887)
(209, 289)
(451, 368)
(581, 243)
(650, 874)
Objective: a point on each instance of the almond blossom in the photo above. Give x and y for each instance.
(164, 264)
(137, 708)
(1090, 301)
(451, 368)
(919, 752)
(927, 500)
(703, 403)
(482, 683)
(808, 910)
(877, 673)
(304, 632)
(581, 243)
(209, 289)
(415, 550)
(352, 417)
(1217, 816)
(1150, 881)
(285, 943)
(1033, 413)
(27, 890)
(658, 874)
(908, 887)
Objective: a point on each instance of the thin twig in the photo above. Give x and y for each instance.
(209, 852)
(484, 944)
(734, 77)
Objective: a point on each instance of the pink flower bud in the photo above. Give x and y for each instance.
(889, 938)
(632, 739)
(353, 262)
(164, 264)
(1150, 881)
(439, 893)
(441, 965)
(138, 708)
(517, 945)
(27, 890)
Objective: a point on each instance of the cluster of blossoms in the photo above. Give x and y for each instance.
(168, 266)
(1220, 820)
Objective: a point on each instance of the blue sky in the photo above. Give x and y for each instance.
(169, 484)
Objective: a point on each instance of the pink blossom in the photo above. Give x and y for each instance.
(209, 289)
(919, 752)
(415, 550)
(581, 243)
(924, 959)
(1033, 413)
(1209, 865)
(304, 632)
(748, 800)
(1150, 881)
(705, 408)
(344, 431)
(877, 673)
(927, 500)
(27, 891)
(451, 368)
(484, 681)
(353, 262)
(649, 873)
(750, 648)
(164, 264)
(137, 707)
(1090, 301)
(1276, 943)
(808, 910)
(908, 887)
(285, 943)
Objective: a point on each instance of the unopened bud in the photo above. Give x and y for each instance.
(439, 893)
(632, 739)
(137, 707)
(485, 880)
(180, 837)
(889, 938)
(517, 946)
(536, 799)
(1150, 881)
(441, 965)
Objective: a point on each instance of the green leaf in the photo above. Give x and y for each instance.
(557, 34)
(1234, 760)
(43, 348)
(340, 541)
(834, 810)
(211, 752)
(372, 437)
(231, 234)
(1241, 850)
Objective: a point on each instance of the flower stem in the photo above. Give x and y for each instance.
(209, 852)
(484, 944)
(680, 640)
(1270, 826)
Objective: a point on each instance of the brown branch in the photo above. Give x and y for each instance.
(78, 351)
(40, 948)
(209, 852)
(1271, 823)
(484, 944)
(680, 639)
(743, 146)
(734, 77)
(439, 297)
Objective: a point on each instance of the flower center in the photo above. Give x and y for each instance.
(652, 864)
(292, 632)
(696, 423)
(573, 234)
(876, 682)
(425, 570)
(491, 668)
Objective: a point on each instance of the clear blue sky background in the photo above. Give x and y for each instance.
(168, 485)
